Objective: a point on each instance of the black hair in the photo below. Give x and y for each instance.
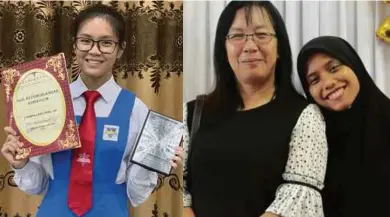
(103, 11)
(225, 96)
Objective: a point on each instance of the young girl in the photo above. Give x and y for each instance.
(357, 116)
(93, 180)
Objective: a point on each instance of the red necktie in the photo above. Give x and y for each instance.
(80, 183)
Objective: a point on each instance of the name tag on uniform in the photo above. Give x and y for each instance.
(111, 133)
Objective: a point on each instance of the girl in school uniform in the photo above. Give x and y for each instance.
(97, 179)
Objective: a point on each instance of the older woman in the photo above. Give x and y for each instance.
(260, 149)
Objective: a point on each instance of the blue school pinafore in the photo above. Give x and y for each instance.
(109, 199)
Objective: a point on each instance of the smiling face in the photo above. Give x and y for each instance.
(94, 63)
(331, 84)
(252, 58)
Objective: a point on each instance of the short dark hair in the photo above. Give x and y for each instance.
(225, 96)
(103, 11)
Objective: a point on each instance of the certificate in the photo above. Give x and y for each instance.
(39, 106)
(156, 143)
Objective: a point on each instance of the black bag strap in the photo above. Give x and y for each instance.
(197, 116)
(196, 119)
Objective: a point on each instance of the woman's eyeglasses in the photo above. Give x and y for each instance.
(258, 38)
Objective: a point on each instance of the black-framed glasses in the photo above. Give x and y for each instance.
(104, 46)
(258, 38)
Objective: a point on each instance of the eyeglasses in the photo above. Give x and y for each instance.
(258, 38)
(104, 46)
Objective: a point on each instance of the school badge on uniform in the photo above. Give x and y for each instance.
(110, 133)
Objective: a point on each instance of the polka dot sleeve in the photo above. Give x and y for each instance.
(305, 168)
(186, 195)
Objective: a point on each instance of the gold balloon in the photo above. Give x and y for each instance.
(383, 32)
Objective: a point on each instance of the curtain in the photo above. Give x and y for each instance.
(355, 21)
(151, 67)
